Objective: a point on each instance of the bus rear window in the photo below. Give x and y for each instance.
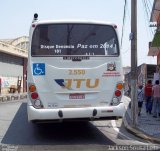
(74, 40)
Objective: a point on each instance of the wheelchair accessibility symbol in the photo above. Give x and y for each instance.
(38, 69)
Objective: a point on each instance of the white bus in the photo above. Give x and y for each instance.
(74, 71)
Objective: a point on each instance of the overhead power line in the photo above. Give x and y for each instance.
(124, 18)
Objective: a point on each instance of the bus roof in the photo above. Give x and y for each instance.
(73, 21)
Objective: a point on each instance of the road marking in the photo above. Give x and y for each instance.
(113, 123)
(117, 129)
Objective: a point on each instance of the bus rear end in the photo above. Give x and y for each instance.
(74, 72)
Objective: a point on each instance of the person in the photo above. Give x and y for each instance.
(140, 98)
(148, 96)
(156, 99)
(156, 75)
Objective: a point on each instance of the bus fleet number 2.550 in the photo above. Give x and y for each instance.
(76, 72)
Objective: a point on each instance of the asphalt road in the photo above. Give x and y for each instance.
(17, 134)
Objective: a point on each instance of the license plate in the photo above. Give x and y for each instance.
(77, 96)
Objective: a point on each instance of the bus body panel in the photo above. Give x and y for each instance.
(82, 113)
(74, 88)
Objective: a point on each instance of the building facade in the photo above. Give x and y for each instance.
(154, 46)
(13, 64)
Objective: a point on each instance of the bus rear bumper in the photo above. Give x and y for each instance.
(64, 114)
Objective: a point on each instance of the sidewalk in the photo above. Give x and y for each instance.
(147, 128)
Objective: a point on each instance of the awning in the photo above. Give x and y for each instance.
(154, 46)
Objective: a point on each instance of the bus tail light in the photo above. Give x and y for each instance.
(115, 100)
(34, 95)
(117, 94)
(119, 86)
(32, 88)
(38, 104)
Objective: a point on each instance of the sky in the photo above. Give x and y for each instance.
(16, 17)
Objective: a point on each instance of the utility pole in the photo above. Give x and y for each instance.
(133, 38)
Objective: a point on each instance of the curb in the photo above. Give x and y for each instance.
(139, 133)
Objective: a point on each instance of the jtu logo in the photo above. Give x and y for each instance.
(68, 83)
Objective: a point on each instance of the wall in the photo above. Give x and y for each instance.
(158, 59)
(10, 68)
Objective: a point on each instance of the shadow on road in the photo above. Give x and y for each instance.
(20, 132)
